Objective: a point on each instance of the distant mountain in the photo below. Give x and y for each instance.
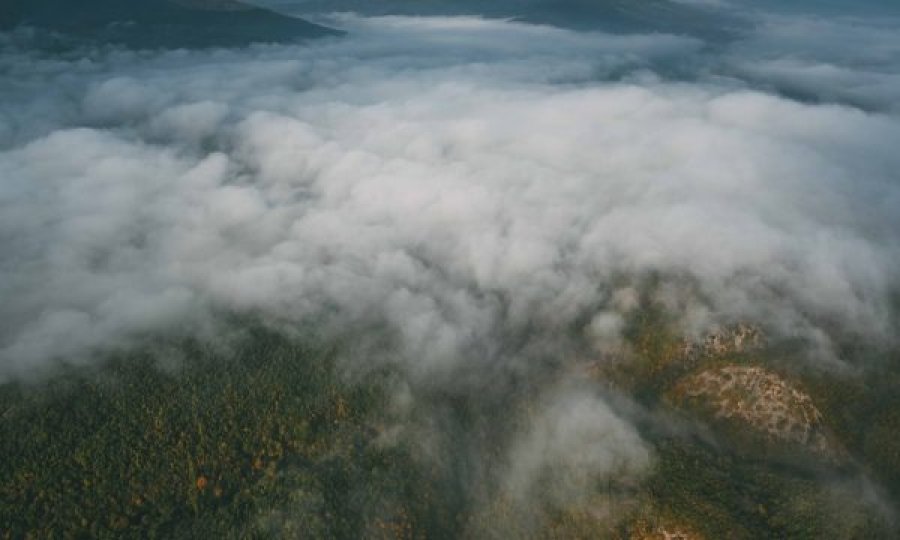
(619, 16)
(159, 23)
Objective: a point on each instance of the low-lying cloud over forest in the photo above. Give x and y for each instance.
(449, 177)
(466, 196)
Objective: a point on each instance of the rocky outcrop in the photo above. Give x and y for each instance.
(736, 339)
(765, 402)
(665, 529)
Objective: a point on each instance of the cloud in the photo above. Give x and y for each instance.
(429, 175)
(805, 56)
(488, 194)
(577, 443)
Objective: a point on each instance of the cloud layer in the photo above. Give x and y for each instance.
(486, 193)
(451, 178)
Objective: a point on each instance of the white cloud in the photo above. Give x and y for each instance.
(835, 57)
(577, 443)
(432, 175)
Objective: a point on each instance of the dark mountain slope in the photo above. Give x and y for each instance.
(159, 23)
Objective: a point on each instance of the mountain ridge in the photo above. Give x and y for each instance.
(160, 23)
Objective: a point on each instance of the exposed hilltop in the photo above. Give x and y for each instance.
(752, 397)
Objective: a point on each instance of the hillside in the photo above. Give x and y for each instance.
(160, 23)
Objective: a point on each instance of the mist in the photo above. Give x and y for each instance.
(490, 194)
(449, 176)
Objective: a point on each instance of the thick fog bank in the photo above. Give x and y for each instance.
(453, 179)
